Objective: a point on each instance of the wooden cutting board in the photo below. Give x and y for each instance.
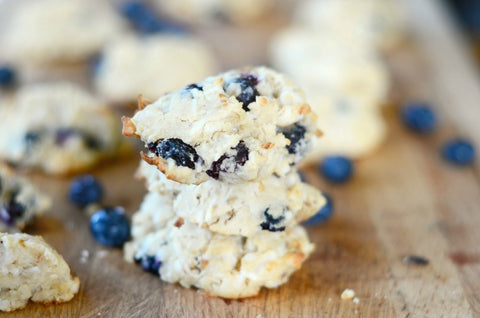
(404, 200)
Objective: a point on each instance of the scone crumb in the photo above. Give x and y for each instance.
(348, 294)
(84, 255)
(179, 222)
(268, 145)
(356, 300)
(318, 133)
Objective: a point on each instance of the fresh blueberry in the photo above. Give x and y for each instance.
(183, 154)
(248, 91)
(295, 133)
(193, 86)
(225, 161)
(144, 20)
(11, 211)
(324, 214)
(336, 169)
(110, 226)
(419, 117)
(271, 223)
(150, 264)
(459, 152)
(85, 189)
(7, 76)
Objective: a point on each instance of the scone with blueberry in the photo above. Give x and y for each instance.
(379, 23)
(226, 266)
(58, 128)
(321, 62)
(211, 11)
(20, 201)
(273, 204)
(242, 125)
(31, 270)
(58, 31)
(151, 66)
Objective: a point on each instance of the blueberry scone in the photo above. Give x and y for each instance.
(151, 66)
(380, 23)
(20, 201)
(208, 11)
(242, 125)
(323, 63)
(58, 31)
(58, 128)
(31, 270)
(225, 266)
(351, 130)
(272, 204)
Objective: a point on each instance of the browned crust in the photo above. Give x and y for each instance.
(268, 145)
(179, 222)
(142, 102)
(128, 129)
(304, 109)
(154, 161)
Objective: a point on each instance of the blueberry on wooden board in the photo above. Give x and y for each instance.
(174, 148)
(110, 227)
(459, 152)
(85, 189)
(336, 169)
(418, 117)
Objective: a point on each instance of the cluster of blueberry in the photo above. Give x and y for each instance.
(421, 119)
(109, 225)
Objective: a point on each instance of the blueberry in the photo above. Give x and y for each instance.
(7, 76)
(225, 161)
(110, 226)
(150, 263)
(295, 133)
(144, 20)
(85, 189)
(248, 92)
(174, 148)
(336, 169)
(459, 152)
(32, 138)
(11, 211)
(271, 223)
(193, 86)
(62, 135)
(419, 117)
(302, 176)
(324, 214)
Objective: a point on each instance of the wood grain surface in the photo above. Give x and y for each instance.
(404, 200)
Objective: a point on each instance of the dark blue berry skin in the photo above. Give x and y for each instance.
(249, 92)
(150, 264)
(459, 152)
(419, 118)
(145, 21)
(336, 169)
(11, 211)
(85, 189)
(271, 223)
(240, 158)
(174, 148)
(295, 133)
(7, 76)
(324, 214)
(110, 227)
